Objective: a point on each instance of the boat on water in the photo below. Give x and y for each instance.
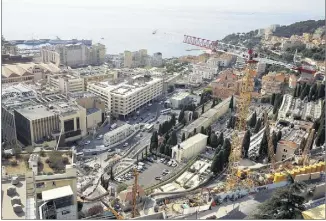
(32, 42)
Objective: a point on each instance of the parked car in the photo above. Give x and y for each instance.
(87, 142)
(162, 160)
(99, 137)
(158, 178)
(126, 144)
(170, 163)
(174, 164)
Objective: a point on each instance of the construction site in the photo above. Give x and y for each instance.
(194, 187)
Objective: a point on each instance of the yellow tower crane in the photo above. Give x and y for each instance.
(243, 104)
(134, 194)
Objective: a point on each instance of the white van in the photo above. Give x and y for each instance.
(141, 164)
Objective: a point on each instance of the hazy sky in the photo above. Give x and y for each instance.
(128, 24)
(316, 7)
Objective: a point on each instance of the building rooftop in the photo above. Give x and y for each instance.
(47, 108)
(91, 110)
(190, 141)
(7, 211)
(180, 96)
(20, 69)
(57, 193)
(36, 112)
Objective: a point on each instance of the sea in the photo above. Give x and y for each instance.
(120, 28)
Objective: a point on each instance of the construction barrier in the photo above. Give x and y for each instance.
(314, 176)
(302, 177)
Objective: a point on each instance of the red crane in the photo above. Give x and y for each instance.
(200, 42)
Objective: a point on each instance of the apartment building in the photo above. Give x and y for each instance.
(135, 59)
(204, 71)
(11, 97)
(180, 100)
(66, 83)
(27, 72)
(46, 118)
(291, 140)
(124, 98)
(157, 60)
(273, 83)
(117, 135)
(307, 74)
(74, 55)
(225, 84)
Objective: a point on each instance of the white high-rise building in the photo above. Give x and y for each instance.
(124, 98)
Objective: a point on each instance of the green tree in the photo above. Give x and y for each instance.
(227, 149)
(183, 138)
(216, 166)
(305, 91)
(273, 99)
(285, 203)
(298, 89)
(231, 103)
(257, 126)
(189, 135)
(214, 103)
(181, 115)
(208, 132)
(253, 120)
(274, 141)
(321, 91)
(312, 93)
(279, 135)
(220, 139)
(160, 129)
(294, 91)
(213, 141)
(320, 138)
(195, 115)
(174, 139)
(246, 143)
(195, 131)
(162, 148)
(173, 120)
(111, 173)
(202, 130)
(202, 109)
(263, 150)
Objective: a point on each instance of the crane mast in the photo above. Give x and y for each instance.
(271, 153)
(134, 194)
(243, 104)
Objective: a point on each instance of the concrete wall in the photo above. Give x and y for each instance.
(94, 119)
(208, 118)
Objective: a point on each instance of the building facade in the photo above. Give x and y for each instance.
(180, 100)
(74, 55)
(117, 135)
(67, 83)
(124, 98)
(27, 72)
(273, 83)
(189, 148)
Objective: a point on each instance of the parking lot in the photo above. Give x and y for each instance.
(146, 178)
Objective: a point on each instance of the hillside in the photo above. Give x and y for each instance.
(249, 39)
(299, 28)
